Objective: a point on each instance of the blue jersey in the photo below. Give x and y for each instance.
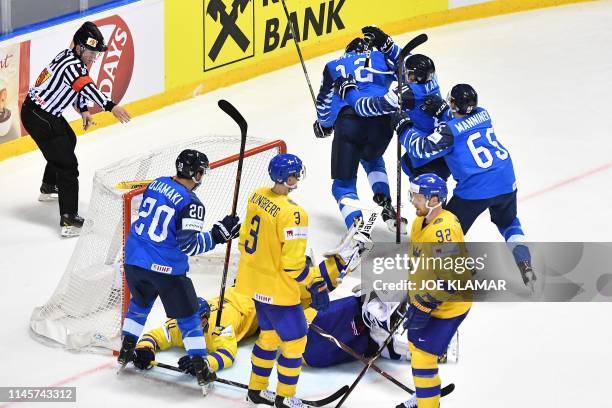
(477, 160)
(341, 320)
(329, 103)
(168, 229)
(368, 105)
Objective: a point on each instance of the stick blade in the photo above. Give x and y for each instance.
(234, 114)
(412, 44)
(360, 205)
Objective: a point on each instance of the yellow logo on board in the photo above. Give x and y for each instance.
(229, 32)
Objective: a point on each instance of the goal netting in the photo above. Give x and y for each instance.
(86, 310)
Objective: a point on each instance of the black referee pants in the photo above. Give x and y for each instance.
(56, 140)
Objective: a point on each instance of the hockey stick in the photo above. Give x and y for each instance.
(315, 403)
(359, 357)
(297, 47)
(412, 44)
(242, 123)
(445, 391)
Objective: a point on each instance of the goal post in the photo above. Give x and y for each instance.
(87, 307)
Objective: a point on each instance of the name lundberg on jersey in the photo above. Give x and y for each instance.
(266, 204)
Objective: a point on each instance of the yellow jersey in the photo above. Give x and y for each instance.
(238, 321)
(272, 248)
(438, 252)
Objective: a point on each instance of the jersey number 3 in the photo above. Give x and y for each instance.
(251, 246)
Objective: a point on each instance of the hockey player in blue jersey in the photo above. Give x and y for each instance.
(421, 82)
(356, 139)
(479, 163)
(167, 232)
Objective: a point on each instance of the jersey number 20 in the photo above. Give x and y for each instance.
(162, 211)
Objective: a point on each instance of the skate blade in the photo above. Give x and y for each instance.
(121, 368)
(44, 198)
(206, 388)
(69, 231)
(531, 287)
(531, 283)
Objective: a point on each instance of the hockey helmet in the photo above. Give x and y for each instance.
(284, 165)
(421, 66)
(463, 99)
(429, 184)
(90, 37)
(356, 45)
(191, 162)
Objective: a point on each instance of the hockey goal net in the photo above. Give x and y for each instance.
(86, 310)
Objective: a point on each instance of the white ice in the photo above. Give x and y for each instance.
(543, 75)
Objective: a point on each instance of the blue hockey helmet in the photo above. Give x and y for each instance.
(429, 184)
(284, 165)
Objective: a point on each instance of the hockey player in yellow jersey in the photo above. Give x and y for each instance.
(237, 322)
(433, 316)
(273, 265)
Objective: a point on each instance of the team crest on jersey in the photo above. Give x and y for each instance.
(42, 77)
(229, 32)
(296, 233)
(438, 221)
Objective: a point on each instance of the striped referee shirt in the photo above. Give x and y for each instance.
(66, 81)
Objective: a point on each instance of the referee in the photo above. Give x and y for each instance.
(66, 81)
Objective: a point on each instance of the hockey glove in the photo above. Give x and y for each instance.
(226, 229)
(408, 101)
(344, 84)
(320, 131)
(419, 312)
(201, 370)
(400, 122)
(143, 357)
(186, 365)
(319, 294)
(435, 106)
(378, 37)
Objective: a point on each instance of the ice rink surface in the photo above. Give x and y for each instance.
(545, 78)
